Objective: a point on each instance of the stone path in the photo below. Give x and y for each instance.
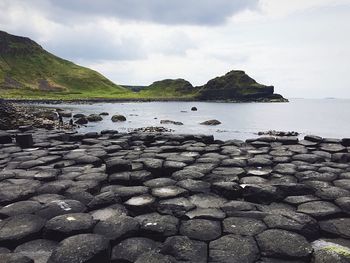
(115, 197)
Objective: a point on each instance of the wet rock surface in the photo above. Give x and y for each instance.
(135, 197)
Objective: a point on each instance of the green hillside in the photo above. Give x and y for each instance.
(28, 71)
(169, 88)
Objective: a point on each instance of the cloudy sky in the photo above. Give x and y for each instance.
(301, 47)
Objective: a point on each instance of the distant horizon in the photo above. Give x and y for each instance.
(298, 47)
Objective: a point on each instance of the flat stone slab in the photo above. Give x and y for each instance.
(19, 229)
(283, 244)
(233, 248)
(82, 248)
(201, 229)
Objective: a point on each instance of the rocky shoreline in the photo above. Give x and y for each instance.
(107, 100)
(136, 197)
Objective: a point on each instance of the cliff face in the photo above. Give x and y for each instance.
(236, 85)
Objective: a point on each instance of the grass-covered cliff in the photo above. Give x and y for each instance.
(27, 71)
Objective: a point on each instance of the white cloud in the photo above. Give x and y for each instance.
(301, 47)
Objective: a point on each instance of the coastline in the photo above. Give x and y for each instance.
(114, 100)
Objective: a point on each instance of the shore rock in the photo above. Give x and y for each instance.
(211, 122)
(118, 118)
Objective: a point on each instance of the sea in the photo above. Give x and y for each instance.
(329, 118)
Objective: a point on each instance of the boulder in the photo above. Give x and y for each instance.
(118, 118)
(211, 122)
(194, 109)
(94, 118)
(171, 122)
(82, 121)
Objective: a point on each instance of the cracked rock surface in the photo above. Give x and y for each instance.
(135, 197)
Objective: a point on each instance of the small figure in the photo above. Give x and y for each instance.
(60, 119)
(71, 124)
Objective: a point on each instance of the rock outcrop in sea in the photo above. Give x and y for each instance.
(134, 197)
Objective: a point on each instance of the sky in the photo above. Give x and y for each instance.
(301, 47)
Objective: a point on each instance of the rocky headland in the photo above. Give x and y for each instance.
(147, 198)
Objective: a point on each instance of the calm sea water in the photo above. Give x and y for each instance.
(327, 117)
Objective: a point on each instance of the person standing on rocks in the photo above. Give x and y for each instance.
(60, 120)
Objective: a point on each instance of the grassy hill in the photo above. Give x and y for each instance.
(28, 71)
(169, 88)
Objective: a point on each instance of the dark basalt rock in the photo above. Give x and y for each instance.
(108, 212)
(15, 258)
(5, 138)
(157, 225)
(233, 249)
(194, 186)
(38, 250)
(18, 229)
(319, 209)
(211, 122)
(94, 118)
(129, 250)
(338, 227)
(243, 226)
(201, 229)
(20, 208)
(24, 140)
(182, 193)
(118, 118)
(155, 257)
(206, 213)
(184, 249)
(16, 192)
(63, 226)
(171, 122)
(262, 193)
(229, 190)
(283, 244)
(140, 204)
(313, 138)
(175, 206)
(168, 192)
(61, 207)
(292, 221)
(117, 227)
(117, 165)
(82, 121)
(344, 203)
(82, 248)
